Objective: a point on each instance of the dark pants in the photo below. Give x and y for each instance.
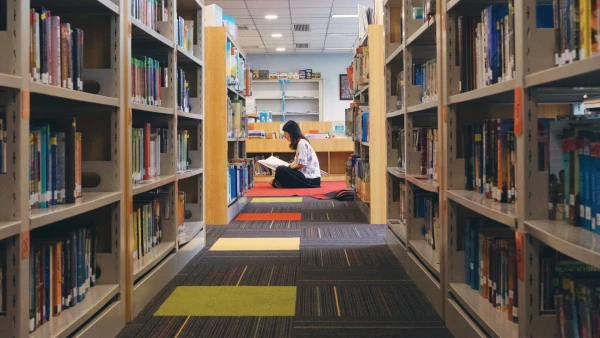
(287, 177)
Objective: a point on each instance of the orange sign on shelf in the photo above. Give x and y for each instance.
(25, 244)
(519, 111)
(130, 117)
(130, 29)
(25, 106)
(520, 256)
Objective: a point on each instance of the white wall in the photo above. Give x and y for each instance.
(330, 65)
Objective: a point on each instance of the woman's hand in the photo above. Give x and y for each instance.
(297, 166)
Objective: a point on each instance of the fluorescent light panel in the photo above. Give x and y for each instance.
(280, 49)
(276, 35)
(270, 17)
(344, 16)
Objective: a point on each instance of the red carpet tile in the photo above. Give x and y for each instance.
(266, 216)
(264, 189)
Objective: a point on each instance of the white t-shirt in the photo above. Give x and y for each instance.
(305, 155)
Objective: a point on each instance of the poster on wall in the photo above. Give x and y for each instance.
(345, 92)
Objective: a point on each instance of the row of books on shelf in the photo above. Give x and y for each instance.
(357, 122)
(62, 270)
(240, 177)
(398, 142)
(183, 92)
(400, 89)
(238, 74)
(486, 47)
(570, 289)
(3, 148)
(570, 153)
(149, 12)
(185, 34)
(362, 177)
(237, 120)
(147, 145)
(490, 159)
(183, 162)
(54, 163)
(56, 51)
(358, 71)
(425, 75)
(427, 207)
(148, 78)
(425, 141)
(149, 211)
(490, 264)
(577, 24)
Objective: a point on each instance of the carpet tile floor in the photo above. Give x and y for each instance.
(342, 280)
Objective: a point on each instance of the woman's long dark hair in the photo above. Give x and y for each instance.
(295, 133)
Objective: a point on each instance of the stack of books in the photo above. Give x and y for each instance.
(576, 24)
(55, 163)
(183, 92)
(425, 75)
(149, 12)
(185, 34)
(147, 222)
(56, 51)
(183, 160)
(427, 208)
(425, 142)
(148, 78)
(147, 145)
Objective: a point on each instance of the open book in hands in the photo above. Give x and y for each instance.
(274, 162)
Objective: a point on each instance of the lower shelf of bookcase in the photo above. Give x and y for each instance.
(145, 289)
(459, 322)
(492, 320)
(397, 247)
(398, 227)
(364, 208)
(235, 208)
(187, 252)
(71, 319)
(426, 281)
(156, 182)
(192, 229)
(108, 323)
(9, 229)
(426, 255)
(147, 262)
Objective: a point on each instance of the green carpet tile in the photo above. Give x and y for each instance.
(348, 283)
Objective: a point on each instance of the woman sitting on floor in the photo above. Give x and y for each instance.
(304, 172)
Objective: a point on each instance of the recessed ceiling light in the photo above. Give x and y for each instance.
(276, 35)
(280, 49)
(271, 17)
(344, 16)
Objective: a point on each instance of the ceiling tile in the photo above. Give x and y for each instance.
(267, 3)
(274, 27)
(344, 11)
(343, 29)
(309, 50)
(312, 11)
(237, 12)
(353, 3)
(228, 3)
(281, 12)
(280, 21)
(311, 3)
(310, 20)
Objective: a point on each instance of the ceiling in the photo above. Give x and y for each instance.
(326, 35)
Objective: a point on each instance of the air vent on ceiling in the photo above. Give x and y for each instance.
(302, 45)
(242, 28)
(301, 27)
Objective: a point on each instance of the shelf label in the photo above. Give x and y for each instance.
(519, 111)
(25, 245)
(130, 29)
(520, 268)
(130, 117)
(25, 106)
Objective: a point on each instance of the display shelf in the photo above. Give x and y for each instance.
(190, 173)
(80, 6)
(190, 115)
(395, 55)
(493, 321)
(185, 57)
(426, 254)
(151, 259)
(425, 35)
(139, 30)
(363, 90)
(427, 282)
(153, 183)
(395, 113)
(582, 73)
(192, 229)
(397, 172)
(423, 106)
(234, 91)
(71, 319)
(151, 109)
(398, 227)
(489, 93)
(423, 182)
(10, 81)
(573, 241)
(9, 229)
(70, 94)
(235, 44)
(189, 4)
(87, 202)
(504, 213)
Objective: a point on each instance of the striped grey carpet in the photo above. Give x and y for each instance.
(348, 282)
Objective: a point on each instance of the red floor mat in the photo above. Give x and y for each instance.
(264, 189)
(267, 216)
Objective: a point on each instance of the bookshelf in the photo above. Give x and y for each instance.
(104, 115)
(226, 145)
(303, 99)
(534, 88)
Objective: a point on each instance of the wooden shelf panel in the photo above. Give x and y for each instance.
(151, 109)
(573, 241)
(395, 113)
(192, 229)
(190, 115)
(426, 254)
(504, 213)
(423, 182)
(581, 73)
(151, 259)
(283, 146)
(234, 91)
(185, 58)
(425, 35)
(190, 173)
(88, 202)
(494, 321)
(156, 182)
(398, 227)
(486, 93)
(79, 6)
(395, 55)
(10, 81)
(71, 319)
(69, 94)
(141, 30)
(397, 172)
(9, 229)
(433, 104)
